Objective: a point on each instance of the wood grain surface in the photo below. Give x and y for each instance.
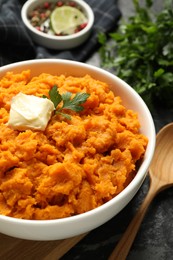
(19, 249)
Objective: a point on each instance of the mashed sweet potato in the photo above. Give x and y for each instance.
(74, 165)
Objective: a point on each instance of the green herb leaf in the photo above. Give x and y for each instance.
(141, 52)
(63, 114)
(68, 102)
(74, 103)
(55, 97)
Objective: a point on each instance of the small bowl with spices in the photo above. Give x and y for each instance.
(57, 24)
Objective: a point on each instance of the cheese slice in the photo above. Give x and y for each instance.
(30, 112)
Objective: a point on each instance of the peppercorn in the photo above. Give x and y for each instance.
(46, 5)
(72, 4)
(59, 3)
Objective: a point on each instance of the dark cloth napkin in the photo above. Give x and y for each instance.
(16, 44)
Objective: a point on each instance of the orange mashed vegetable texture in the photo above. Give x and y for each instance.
(74, 165)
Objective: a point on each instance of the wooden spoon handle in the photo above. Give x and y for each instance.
(122, 249)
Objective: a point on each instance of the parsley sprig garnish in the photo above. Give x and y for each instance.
(69, 102)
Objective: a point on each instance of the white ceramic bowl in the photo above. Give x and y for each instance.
(72, 226)
(53, 41)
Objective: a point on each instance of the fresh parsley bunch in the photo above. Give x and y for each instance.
(141, 52)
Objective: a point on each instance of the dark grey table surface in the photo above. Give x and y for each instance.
(154, 240)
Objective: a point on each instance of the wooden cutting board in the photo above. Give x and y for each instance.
(19, 249)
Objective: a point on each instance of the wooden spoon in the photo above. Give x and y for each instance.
(161, 177)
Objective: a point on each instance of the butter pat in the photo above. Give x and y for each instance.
(30, 112)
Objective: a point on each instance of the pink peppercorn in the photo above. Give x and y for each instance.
(38, 28)
(46, 5)
(59, 3)
(83, 25)
(72, 4)
(42, 15)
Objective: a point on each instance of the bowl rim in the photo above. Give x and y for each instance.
(89, 12)
(142, 172)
